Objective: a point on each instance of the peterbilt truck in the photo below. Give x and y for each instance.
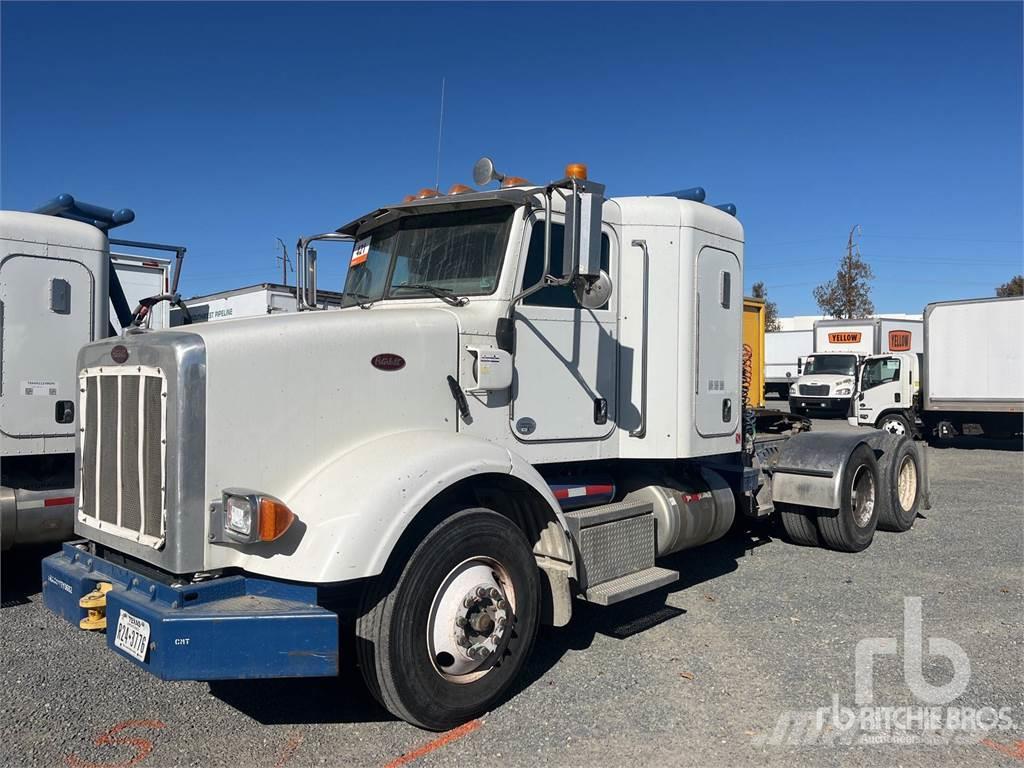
(827, 377)
(60, 288)
(532, 396)
(969, 380)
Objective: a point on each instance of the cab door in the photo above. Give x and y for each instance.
(719, 327)
(46, 315)
(566, 357)
(882, 388)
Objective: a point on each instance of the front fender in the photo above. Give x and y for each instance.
(367, 497)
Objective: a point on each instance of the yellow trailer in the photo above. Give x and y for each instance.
(753, 351)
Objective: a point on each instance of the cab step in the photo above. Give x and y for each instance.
(630, 585)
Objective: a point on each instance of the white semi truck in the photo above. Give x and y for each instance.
(532, 395)
(60, 288)
(968, 381)
(827, 380)
(784, 353)
(141, 277)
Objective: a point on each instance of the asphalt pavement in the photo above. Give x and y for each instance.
(735, 664)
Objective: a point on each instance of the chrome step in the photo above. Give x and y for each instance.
(630, 585)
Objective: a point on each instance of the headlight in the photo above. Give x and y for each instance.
(843, 391)
(249, 516)
(792, 389)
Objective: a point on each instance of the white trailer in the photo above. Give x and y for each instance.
(247, 301)
(58, 281)
(784, 353)
(531, 395)
(142, 277)
(827, 380)
(968, 381)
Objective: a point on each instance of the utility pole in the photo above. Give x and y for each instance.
(286, 262)
(848, 268)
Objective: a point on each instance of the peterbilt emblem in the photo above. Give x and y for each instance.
(526, 426)
(388, 362)
(119, 354)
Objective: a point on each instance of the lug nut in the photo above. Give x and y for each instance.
(481, 592)
(502, 605)
(495, 594)
(468, 601)
(461, 621)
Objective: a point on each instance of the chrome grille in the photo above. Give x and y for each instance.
(122, 448)
(820, 390)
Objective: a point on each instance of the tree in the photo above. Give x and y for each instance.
(771, 312)
(848, 296)
(1015, 287)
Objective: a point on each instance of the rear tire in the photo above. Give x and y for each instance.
(466, 602)
(895, 424)
(797, 410)
(902, 468)
(799, 526)
(852, 528)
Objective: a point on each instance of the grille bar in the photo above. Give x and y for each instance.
(123, 452)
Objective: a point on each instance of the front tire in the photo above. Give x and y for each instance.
(852, 528)
(895, 424)
(443, 634)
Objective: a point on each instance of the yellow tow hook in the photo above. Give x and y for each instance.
(96, 604)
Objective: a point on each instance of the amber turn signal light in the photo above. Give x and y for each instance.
(514, 181)
(275, 518)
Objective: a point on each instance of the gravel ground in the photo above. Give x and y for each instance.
(699, 674)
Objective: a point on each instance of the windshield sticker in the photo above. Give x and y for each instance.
(360, 253)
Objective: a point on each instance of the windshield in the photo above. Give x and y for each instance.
(880, 371)
(457, 252)
(837, 364)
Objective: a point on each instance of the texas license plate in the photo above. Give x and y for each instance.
(132, 635)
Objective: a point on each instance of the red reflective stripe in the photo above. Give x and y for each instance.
(595, 490)
(59, 501)
(562, 493)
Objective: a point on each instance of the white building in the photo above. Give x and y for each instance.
(806, 322)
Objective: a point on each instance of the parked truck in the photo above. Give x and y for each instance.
(785, 352)
(141, 277)
(968, 381)
(826, 382)
(247, 301)
(58, 292)
(532, 395)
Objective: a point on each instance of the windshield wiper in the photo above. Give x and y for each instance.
(445, 294)
(362, 300)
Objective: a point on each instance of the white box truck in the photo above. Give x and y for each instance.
(532, 394)
(827, 380)
(58, 292)
(248, 301)
(968, 381)
(784, 353)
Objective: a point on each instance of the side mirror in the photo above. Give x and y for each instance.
(582, 252)
(593, 292)
(799, 366)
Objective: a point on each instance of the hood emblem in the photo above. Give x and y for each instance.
(119, 354)
(387, 362)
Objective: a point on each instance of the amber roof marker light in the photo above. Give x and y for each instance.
(576, 171)
(459, 189)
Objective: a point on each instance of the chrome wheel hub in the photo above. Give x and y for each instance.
(862, 496)
(906, 483)
(470, 619)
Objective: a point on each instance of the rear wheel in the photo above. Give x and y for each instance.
(444, 633)
(852, 527)
(895, 424)
(799, 526)
(902, 468)
(796, 410)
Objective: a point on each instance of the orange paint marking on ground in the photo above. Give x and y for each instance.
(143, 746)
(290, 748)
(1013, 750)
(441, 741)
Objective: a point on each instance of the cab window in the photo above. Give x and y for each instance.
(554, 295)
(878, 372)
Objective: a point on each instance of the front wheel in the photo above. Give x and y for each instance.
(895, 424)
(444, 633)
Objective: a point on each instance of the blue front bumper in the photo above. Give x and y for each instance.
(226, 628)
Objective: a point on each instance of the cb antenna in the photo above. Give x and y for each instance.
(286, 262)
(440, 128)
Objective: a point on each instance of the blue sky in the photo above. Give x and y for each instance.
(226, 126)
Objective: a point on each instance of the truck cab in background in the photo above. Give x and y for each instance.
(969, 380)
(828, 378)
